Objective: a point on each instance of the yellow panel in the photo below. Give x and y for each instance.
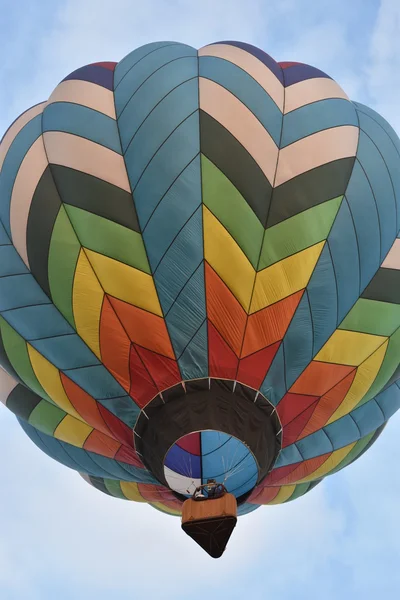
(285, 277)
(131, 491)
(72, 431)
(125, 283)
(166, 509)
(365, 376)
(49, 378)
(284, 494)
(87, 302)
(227, 259)
(349, 347)
(333, 461)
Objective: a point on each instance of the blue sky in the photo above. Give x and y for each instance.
(61, 539)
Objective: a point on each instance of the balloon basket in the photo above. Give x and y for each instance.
(210, 522)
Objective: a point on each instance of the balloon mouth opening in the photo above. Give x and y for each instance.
(209, 429)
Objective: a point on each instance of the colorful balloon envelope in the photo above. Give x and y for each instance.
(200, 275)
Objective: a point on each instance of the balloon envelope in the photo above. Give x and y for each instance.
(200, 274)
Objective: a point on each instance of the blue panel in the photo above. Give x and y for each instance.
(134, 57)
(41, 321)
(10, 261)
(368, 417)
(160, 124)
(180, 261)
(85, 463)
(82, 121)
(188, 312)
(124, 408)
(246, 508)
(317, 116)
(12, 162)
(387, 148)
(298, 342)
(344, 252)
(342, 432)
(372, 161)
(389, 400)
(301, 72)
(247, 89)
(66, 352)
(97, 382)
(381, 121)
(288, 456)
(193, 363)
(235, 484)
(322, 296)
(174, 156)
(152, 92)
(4, 239)
(214, 440)
(182, 462)
(146, 68)
(314, 445)
(365, 216)
(20, 290)
(174, 210)
(273, 386)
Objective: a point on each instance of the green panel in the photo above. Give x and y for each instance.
(107, 237)
(301, 489)
(372, 316)
(46, 417)
(114, 487)
(17, 352)
(299, 232)
(63, 256)
(358, 448)
(229, 206)
(389, 365)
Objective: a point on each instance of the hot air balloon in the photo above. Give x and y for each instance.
(200, 279)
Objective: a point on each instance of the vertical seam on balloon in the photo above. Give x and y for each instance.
(151, 273)
(357, 244)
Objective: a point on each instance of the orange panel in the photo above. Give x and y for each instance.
(224, 311)
(327, 405)
(263, 495)
(85, 405)
(319, 377)
(101, 444)
(305, 469)
(115, 345)
(144, 328)
(269, 325)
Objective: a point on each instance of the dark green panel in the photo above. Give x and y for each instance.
(223, 149)
(22, 401)
(309, 189)
(5, 362)
(42, 216)
(385, 286)
(95, 195)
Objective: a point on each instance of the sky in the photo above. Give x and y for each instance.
(60, 538)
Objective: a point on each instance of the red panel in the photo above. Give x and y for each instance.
(328, 404)
(84, 404)
(304, 469)
(263, 495)
(222, 361)
(164, 371)
(292, 405)
(277, 474)
(119, 430)
(128, 455)
(101, 444)
(143, 388)
(253, 369)
(107, 65)
(191, 443)
(285, 65)
(291, 431)
(114, 345)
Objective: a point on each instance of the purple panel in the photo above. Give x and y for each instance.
(301, 72)
(95, 74)
(265, 58)
(183, 462)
